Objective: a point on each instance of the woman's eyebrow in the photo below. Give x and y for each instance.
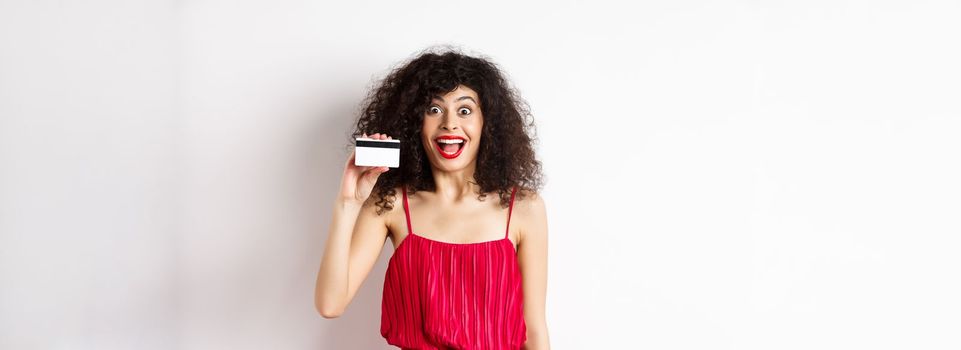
(458, 99)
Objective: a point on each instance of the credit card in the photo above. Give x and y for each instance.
(371, 152)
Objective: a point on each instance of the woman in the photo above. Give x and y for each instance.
(469, 268)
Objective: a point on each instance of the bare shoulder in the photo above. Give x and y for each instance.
(528, 200)
(372, 206)
(531, 210)
(374, 209)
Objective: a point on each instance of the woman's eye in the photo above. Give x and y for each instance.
(464, 109)
(433, 109)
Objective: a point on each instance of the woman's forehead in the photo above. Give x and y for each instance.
(458, 94)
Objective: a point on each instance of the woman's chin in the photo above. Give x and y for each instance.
(453, 164)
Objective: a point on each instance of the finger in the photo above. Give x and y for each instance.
(373, 173)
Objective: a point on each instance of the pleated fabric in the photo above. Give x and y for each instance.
(441, 295)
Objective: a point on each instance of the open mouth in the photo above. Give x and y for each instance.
(450, 146)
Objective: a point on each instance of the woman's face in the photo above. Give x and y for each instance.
(451, 132)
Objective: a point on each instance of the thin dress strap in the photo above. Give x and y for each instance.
(406, 210)
(509, 210)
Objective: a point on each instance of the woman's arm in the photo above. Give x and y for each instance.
(355, 239)
(350, 254)
(532, 259)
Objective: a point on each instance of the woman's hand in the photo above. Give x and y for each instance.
(358, 181)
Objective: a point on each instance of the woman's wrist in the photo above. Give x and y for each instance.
(348, 204)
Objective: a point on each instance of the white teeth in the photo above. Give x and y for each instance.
(450, 141)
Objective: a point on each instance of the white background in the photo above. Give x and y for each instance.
(720, 175)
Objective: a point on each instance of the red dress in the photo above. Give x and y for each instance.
(440, 295)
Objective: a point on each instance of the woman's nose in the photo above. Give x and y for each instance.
(449, 123)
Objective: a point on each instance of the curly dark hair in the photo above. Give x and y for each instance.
(397, 104)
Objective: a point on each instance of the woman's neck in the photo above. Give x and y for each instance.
(453, 186)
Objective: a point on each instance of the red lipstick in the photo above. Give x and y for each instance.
(440, 149)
